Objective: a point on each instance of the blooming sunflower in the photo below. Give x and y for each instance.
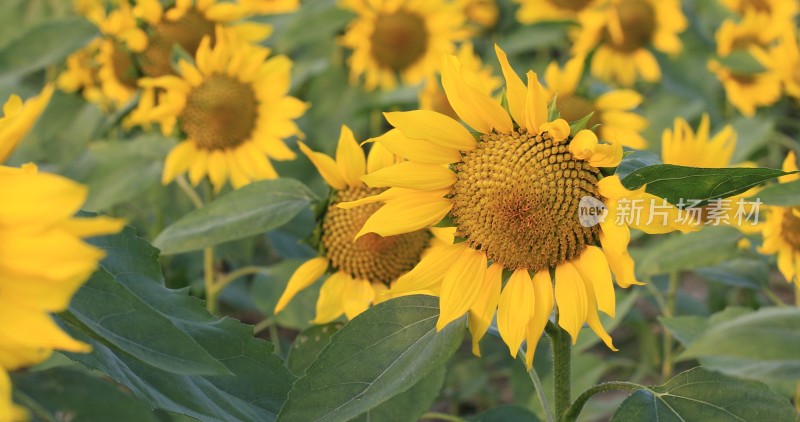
(622, 31)
(405, 37)
(533, 11)
(683, 147)
(612, 110)
(748, 90)
(786, 59)
(187, 23)
(781, 230)
(232, 108)
(513, 196)
(43, 260)
(360, 270)
(431, 97)
(781, 13)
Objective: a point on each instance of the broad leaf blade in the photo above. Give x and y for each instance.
(781, 194)
(44, 44)
(255, 391)
(701, 395)
(676, 183)
(248, 211)
(376, 356)
(72, 394)
(684, 251)
(409, 405)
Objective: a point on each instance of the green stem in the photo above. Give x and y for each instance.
(189, 191)
(575, 410)
(273, 336)
(208, 278)
(537, 384)
(669, 311)
(232, 276)
(442, 417)
(771, 295)
(562, 367)
(33, 407)
(263, 325)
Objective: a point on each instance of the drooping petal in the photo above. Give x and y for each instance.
(515, 309)
(571, 299)
(482, 310)
(330, 304)
(357, 297)
(593, 267)
(542, 309)
(304, 276)
(461, 286)
(429, 271)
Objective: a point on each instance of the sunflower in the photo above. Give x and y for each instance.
(533, 11)
(748, 90)
(781, 13)
(43, 259)
(232, 108)
(683, 147)
(431, 97)
(405, 37)
(622, 31)
(612, 110)
(483, 13)
(266, 7)
(513, 197)
(186, 24)
(360, 270)
(786, 59)
(781, 230)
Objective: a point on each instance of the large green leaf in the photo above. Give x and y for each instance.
(762, 345)
(376, 356)
(679, 183)
(44, 44)
(781, 194)
(308, 344)
(701, 395)
(259, 382)
(683, 251)
(634, 161)
(409, 405)
(72, 394)
(253, 209)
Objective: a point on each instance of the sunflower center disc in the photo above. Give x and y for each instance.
(574, 5)
(220, 113)
(187, 32)
(637, 20)
(574, 107)
(758, 5)
(516, 199)
(124, 70)
(790, 229)
(399, 40)
(372, 257)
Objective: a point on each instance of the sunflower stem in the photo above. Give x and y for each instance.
(575, 410)
(537, 384)
(229, 278)
(208, 277)
(182, 183)
(562, 368)
(669, 312)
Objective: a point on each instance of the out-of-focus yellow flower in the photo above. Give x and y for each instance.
(400, 37)
(533, 11)
(781, 230)
(233, 107)
(622, 31)
(682, 146)
(484, 13)
(612, 110)
(43, 259)
(432, 97)
(785, 57)
(781, 13)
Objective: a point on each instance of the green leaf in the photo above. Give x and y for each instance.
(760, 345)
(308, 344)
(409, 405)
(676, 183)
(45, 44)
(248, 211)
(72, 394)
(741, 272)
(781, 194)
(255, 391)
(684, 251)
(741, 62)
(376, 356)
(506, 413)
(634, 161)
(701, 395)
(552, 109)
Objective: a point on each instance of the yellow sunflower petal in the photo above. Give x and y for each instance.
(350, 158)
(542, 309)
(304, 276)
(593, 267)
(429, 271)
(619, 99)
(178, 161)
(482, 310)
(357, 297)
(326, 166)
(475, 108)
(412, 175)
(535, 103)
(571, 299)
(433, 127)
(585, 146)
(379, 157)
(330, 304)
(515, 309)
(417, 150)
(461, 286)
(412, 213)
(516, 92)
